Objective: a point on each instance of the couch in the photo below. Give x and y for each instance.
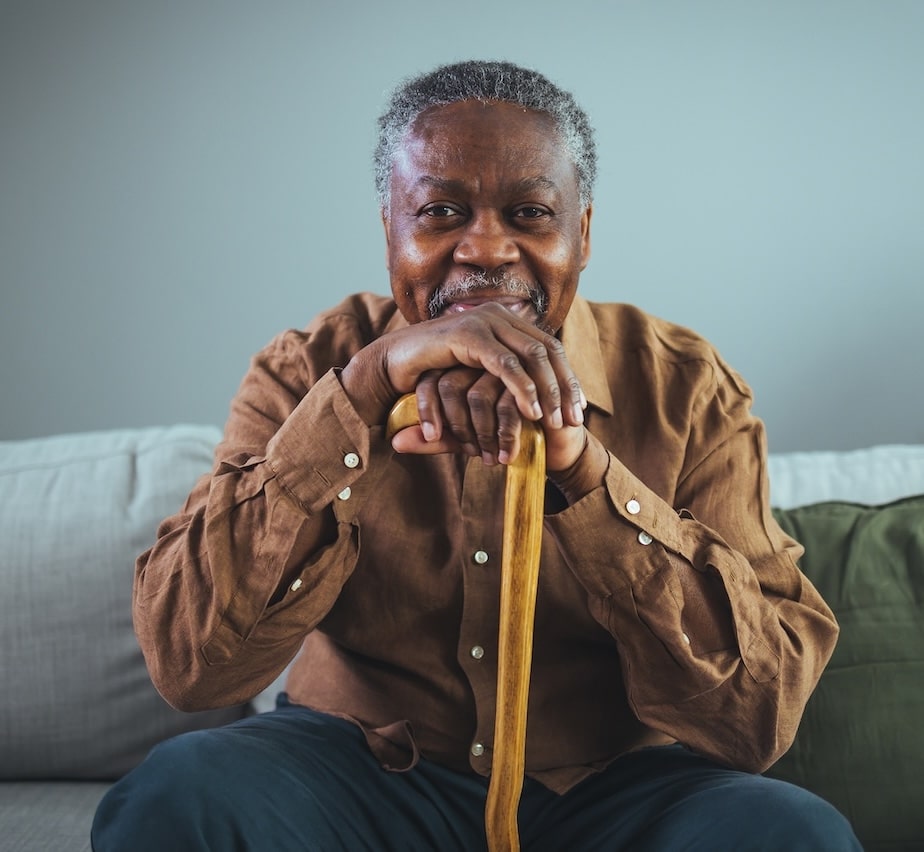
(77, 709)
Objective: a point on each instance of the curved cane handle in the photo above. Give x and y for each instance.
(522, 543)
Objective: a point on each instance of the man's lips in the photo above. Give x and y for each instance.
(512, 303)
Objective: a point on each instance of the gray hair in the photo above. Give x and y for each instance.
(484, 81)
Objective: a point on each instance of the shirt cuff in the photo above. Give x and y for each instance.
(586, 474)
(606, 536)
(323, 447)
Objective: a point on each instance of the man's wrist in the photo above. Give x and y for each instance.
(368, 389)
(586, 474)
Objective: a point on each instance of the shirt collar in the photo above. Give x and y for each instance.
(581, 339)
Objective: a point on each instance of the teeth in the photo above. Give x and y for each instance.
(518, 306)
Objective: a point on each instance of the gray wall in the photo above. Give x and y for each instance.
(179, 181)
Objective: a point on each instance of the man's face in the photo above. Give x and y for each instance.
(485, 206)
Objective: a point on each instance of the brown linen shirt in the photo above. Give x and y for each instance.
(670, 605)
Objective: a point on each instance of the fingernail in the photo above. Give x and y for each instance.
(537, 410)
(428, 429)
(557, 421)
(583, 399)
(578, 413)
(503, 457)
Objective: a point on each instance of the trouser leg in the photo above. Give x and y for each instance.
(299, 780)
(292, 779)
(667, 800)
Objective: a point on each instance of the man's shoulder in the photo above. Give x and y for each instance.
(633, 339)
(370, 311)
(359, 318)
(629, 327)
(334, 335)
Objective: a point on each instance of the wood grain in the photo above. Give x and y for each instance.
(522, 544)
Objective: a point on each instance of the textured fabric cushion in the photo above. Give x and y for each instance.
(861, 744)
(45, 816)
(873, 475)
(75, 511)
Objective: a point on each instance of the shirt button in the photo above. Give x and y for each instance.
(480, 557)
(296, 585)
(351, 460)
(633, 507)
(644, 538)
(478, 749)
(345, 494)
(477, 652)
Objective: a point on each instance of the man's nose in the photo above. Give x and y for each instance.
(487, 242)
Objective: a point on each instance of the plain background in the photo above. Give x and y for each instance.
(181, 180)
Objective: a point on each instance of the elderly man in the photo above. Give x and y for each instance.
(676, 641)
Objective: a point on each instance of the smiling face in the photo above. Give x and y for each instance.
(485, 205)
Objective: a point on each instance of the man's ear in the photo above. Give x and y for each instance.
(585, 235)
(385, 225)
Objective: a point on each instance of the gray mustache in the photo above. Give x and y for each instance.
(478, 282)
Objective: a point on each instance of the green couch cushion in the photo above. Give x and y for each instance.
(861, 742)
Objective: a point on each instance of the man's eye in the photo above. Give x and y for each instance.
(440, 211)
(530, 212)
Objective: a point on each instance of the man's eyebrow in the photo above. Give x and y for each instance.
(537, 184)
(540, 183)
(441, 184)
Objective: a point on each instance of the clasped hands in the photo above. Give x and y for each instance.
(478, 374)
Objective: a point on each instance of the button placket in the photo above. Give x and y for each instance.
(480, 546)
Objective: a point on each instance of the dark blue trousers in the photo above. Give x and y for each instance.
(299, 780)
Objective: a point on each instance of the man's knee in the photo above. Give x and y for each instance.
(806, 821)
(701, 806)
(164, 800)
(769, 814)
(275, 781)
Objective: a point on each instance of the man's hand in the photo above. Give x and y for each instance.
(470, 411)
(476, 374)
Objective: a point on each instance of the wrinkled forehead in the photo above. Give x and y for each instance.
(498, 121)
(482, 136)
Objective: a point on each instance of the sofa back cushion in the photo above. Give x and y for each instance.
(871, 475)
(75, 511)
(860, 744)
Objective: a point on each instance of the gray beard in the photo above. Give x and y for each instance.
(476, 282)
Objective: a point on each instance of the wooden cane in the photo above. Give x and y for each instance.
(522, 543)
